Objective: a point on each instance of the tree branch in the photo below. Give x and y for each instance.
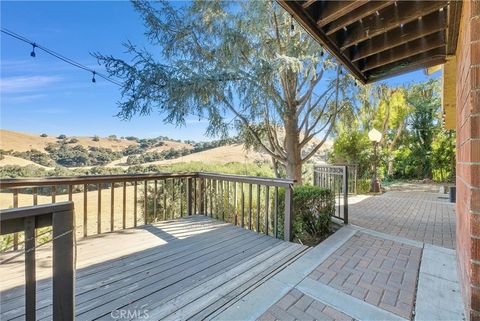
(250, 129)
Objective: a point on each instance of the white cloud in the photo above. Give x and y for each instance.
(26, 98)
(26, 84)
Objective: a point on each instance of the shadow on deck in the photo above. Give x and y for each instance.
(190, 268)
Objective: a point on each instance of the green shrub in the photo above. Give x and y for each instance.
(43, 135)
(363, 185)
(14, 171)
(62, 136)
(73, 141)
(313, 207)
(96, 138)
(36, 157)
(132, 150)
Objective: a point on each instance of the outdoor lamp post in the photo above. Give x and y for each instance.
(375, 137)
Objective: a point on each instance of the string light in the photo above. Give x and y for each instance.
(32, 54)
(59, 56)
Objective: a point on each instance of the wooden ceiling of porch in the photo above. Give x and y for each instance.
(379, 39)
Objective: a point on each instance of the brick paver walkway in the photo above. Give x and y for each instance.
(375, 271)
(379, 271)
(417, 215)
(359, 274)
(296, 305)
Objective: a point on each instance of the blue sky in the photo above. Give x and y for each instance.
(44, 94)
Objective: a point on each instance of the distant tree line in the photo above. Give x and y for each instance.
(157, 156)
(77, 156)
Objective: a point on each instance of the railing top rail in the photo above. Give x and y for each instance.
(91, 179)
(280, 182)
(328, 166)
(27, 211)
(330, 169)
(100, 179)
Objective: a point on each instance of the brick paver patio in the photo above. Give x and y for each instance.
(296, 305)
(379, 271)
(394, 262)
(417, 215)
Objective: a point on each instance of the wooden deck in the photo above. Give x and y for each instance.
(190, 268)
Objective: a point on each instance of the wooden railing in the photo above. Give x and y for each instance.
(60, 218)
(251, 202)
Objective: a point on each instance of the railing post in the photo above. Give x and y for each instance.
(355, 178)
(345, 194)
(15, 205)
(30, 277)
(63, 265)
(202, 196)
(189, 196)
(288, 213)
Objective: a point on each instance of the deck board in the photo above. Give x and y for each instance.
(186, 268)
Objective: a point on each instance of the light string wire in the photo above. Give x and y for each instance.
(69, 61)
(60, 57)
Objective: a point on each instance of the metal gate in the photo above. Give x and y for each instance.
(334, 178)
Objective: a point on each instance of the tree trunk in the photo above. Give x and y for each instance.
(390, 168)
(275, 167)
(294, 153)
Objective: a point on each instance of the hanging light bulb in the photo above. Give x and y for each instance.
(32, 54)
(93, 78)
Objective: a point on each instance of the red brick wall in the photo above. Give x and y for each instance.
(468, 157)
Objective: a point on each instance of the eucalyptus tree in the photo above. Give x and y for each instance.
(424, 123)
(241, 64)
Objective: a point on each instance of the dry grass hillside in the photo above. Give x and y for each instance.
(222, 155)
(12, 160)
(122, 162)
(21, 142)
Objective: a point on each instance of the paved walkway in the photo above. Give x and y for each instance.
(359, 274)
(417, 214)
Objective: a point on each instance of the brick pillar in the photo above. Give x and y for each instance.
(468, 157)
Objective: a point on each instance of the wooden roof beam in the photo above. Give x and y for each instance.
(424, 60)
(405, 51)
(391, 18)
(454, 13)
(295, 9)
(332, 10)
(308, 3)
(357, 14)
(431, 24)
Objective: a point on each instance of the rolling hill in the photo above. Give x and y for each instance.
(14, 141)
(22, 142)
